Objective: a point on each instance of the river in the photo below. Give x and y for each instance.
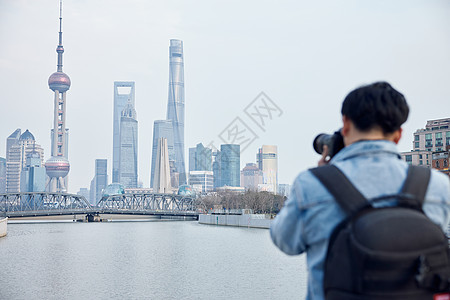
(145, 260)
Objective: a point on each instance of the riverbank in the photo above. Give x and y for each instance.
(3, 226)
(237, 220)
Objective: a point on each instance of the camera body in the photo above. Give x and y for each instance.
(335, 143)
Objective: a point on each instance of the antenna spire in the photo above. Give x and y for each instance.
(60, 48)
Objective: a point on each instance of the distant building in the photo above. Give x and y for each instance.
(33, 175)
(12, 140)
(203, 158)
(161, 129)
(204, 180)
(16, 159)
(192, 152)
(139, 191)
(231, 189)
(200, 158)
(2, 175)
(162, 180)
(175, 105)
(123, 94)
(267, 160)
(435, 137)
(251, 177)
(85, 193)
(284, 190)
(128, 155)
(92, 195)
(217, 169)
(230, 165)
(440, 161)
(101, 178)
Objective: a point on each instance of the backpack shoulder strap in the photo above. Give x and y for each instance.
(344, 192)
(415, 186)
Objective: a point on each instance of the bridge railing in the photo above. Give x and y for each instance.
(150, 202)
(37, 201)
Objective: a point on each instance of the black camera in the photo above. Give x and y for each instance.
(335, 143)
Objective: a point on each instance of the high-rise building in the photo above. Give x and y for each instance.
(123, 94)
(203, 158)
(161, 129)
(85, 193)
(92, 194)
(192, 158)
(128, 156)
(267, 160)
(33, 176)
(175, 105)
(217, 170)
(251, 177)
(58, 166)
(230, 165)
(162, 180)
(435, 137)
(12, 140)
(201, 181)
(17, 159)
(2, 175)
(101, 178)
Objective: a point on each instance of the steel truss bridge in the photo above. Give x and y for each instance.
(37, 204)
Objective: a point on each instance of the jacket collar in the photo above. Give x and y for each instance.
(366, 147)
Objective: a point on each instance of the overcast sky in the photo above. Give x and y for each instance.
(305, 55)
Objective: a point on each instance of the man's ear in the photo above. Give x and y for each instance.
(346, 125)
(397, 135)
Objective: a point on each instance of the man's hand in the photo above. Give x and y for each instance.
(325, 158)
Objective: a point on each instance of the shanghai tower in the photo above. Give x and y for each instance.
(58, 166)
(175, 105)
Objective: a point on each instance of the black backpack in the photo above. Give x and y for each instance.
(384, 253)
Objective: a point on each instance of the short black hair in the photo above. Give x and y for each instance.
(377, 105)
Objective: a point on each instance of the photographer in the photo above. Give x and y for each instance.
(372, 116)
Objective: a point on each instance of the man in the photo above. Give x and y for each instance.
(372, 116)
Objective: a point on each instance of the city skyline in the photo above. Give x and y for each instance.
(224, 70)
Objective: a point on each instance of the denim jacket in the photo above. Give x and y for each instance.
(310, 214)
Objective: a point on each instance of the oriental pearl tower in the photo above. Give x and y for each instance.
(57, 167)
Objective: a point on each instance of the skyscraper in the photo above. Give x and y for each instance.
(2, 175)
(175, 105)
(192, 158)
(161, 180)
(17, 159)
(161, 129)
(32, 177)
(230, 164)
(251, 177)
(12, 140)
(267, 159)
(217, 169)
(203, 158)
(128, 165)
(123, 94)
(58, 166)
(101, 179)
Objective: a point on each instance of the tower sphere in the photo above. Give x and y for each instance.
(57, 167)
(59, 81)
